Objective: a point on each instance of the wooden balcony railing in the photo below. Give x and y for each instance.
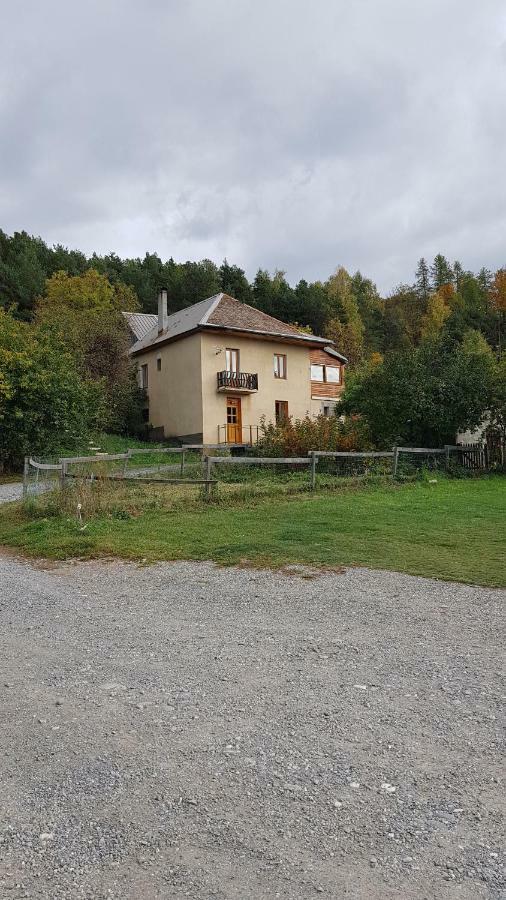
(239, 381)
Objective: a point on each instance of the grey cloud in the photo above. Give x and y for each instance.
(280, 134)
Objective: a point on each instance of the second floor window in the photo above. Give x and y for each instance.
(232, 360)
(144, 377)
(329, 374)
(279, 365)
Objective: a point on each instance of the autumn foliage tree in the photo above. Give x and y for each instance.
(85, 312)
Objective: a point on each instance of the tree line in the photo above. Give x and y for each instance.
(346, 307)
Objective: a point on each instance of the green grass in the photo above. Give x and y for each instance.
(454, 529)
(108, 443)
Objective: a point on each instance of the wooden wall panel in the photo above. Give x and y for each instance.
(327, 391)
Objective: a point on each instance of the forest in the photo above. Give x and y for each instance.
(346, 308)
(428, 343)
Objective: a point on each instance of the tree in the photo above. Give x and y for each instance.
(371, 310)
(310, 306)
(441, 272)
(86, 313)
(438, 311)
(346, 327)
(497, 297)
(347, 338)
(44, 401)
(422, 280)
(403, 312)
(234, 282)
(424, 396)
(498, 401)
(21, 273)
(458, 273)
(90, 291)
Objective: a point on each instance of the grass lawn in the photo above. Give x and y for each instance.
(452, 529)
(108, 443)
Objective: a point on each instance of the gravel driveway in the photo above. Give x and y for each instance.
(181, 730)
(11, 491)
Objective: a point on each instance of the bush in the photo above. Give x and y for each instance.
(297, 437)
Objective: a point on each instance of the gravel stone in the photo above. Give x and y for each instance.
(213, 726)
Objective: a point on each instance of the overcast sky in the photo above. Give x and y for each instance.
(291, 134)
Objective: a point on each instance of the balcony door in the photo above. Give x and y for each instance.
(232, 360)
(234, 420)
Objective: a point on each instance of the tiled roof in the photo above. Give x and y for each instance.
(220, 311)
(233, 314)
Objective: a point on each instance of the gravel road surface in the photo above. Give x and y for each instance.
(181, 730)
(11, 491)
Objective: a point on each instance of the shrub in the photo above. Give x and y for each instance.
(296, 437)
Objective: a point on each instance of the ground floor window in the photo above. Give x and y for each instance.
(281, 410)
(327, 408)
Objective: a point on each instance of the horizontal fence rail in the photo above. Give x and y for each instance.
(48, 467)
(365, 453)
(316, 455)
(210, 461)
(40, 476)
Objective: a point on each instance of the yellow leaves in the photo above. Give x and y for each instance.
(438, 310)
(497, 293)
(90, 292)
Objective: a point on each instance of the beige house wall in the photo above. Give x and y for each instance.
(183, 395)
(255, 356)
(175, 393)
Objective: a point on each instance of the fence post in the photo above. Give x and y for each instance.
(313, 469)
(63, 473)
(127, 457)
(208, 464)
(447, 456)
(182, 461)
(26, 470)
(395, 461)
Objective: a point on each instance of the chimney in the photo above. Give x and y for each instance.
(162, 311)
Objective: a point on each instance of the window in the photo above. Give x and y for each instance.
(333, 374)
(144, 377)
(159, 364)
(279, 365)
(232, 360)
(317, 373)
(329, 374)
(281, 408)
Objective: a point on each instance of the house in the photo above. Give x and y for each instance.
(212, 371)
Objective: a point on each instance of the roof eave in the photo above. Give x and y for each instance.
(279, 335)
(338, 356)
(308, 339)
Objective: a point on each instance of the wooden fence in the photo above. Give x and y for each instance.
(210, 461)
(468, 456)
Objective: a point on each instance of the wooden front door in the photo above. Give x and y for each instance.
(234, 420)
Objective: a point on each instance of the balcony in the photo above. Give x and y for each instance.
(240, 382)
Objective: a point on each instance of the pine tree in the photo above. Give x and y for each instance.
(441, 272)
(458, 274)
(422, 280)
